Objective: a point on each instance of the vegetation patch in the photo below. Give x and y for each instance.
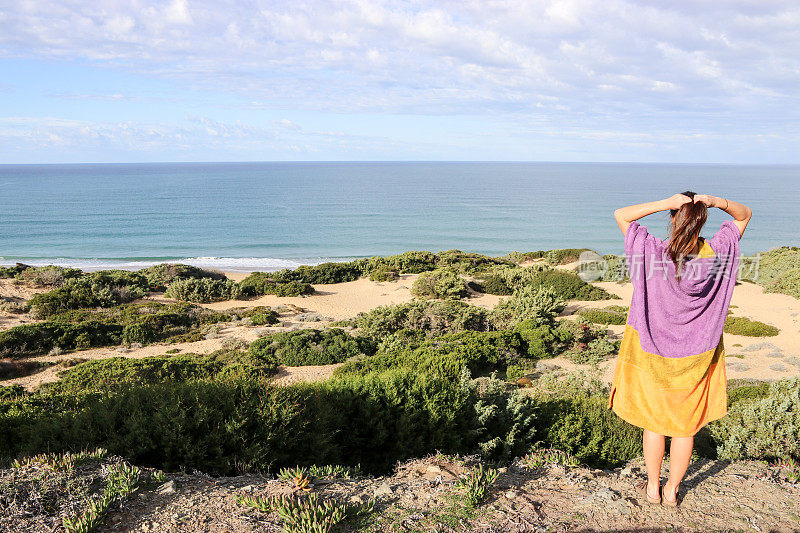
(261, 283)
(444, 284)
(607, 315)
(310, 347)
(203, 290)
(739, 325)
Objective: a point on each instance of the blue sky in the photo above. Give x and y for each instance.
(215, 80)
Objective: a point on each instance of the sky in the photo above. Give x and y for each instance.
(684, 81)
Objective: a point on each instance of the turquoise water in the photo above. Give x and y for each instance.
(263, 216)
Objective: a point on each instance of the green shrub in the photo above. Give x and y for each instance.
(564, 255)
(444, 284)
(34, 339)
(310, 347)
(432, 316)
(521, 257)
(739, 325)
(413, 262)
(265, 318)
(162, 275)
(11, 392)
(543, 340)
(104, 288)
(47, 276)
(504, 420)
(12, 272)
(323, 273)
(583, 426)
(220, 425)
(446, 355)
(603, 316)
(261, 283)
(492, 284)
(746, 392)
(383, 273)
(467, 262)
(787, 282)
(104, 374)
(761, 428)
(203, 290)
(569, 286)
(539, 304)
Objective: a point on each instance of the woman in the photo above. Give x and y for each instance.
(670, 374)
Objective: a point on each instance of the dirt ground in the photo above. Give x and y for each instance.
(422, 495)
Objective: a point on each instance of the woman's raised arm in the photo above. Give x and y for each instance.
(741, 213)
(625, 215)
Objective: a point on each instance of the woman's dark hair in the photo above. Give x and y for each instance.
(686, 224)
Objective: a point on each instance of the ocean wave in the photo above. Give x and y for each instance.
(226, 264)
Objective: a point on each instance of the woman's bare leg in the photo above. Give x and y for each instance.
(653, 445)
(680, 455)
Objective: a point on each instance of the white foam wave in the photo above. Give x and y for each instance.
(225, 264)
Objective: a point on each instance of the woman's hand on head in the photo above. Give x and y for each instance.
(677, 200)
(708, 200)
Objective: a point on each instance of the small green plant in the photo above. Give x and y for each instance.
(548, 456)
(335, 471)
(476, 483)
(158, 476)
(63, 462)
(309, 513)
(298, 476)
(791, 467)
(123, 480)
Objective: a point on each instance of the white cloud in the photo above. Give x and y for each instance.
(612, 65)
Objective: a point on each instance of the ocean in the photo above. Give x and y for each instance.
(267, 216)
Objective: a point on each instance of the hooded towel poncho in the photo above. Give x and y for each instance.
(670, 373)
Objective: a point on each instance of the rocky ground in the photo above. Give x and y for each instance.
(420, 495)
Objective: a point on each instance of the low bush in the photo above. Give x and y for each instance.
(310, 347)
(528, 303)
(583, 426)
(104, 288)
(761, 428)
(261, 283)
(521, 257)
(83, 328)
(739, 325)
(444, 356)
(444, 284)
(544, 340)
(431, 316)
(16, 369)
(265, 318)
(787, 282)
(467, 262)
(603, 316)
(324, 273)
(413, 262)
(104, 374)
(218, 426)
(162, 275)
(34, 339)
(46, 276)
(564, 255)
(492, 284)
(383, 273)
(570, 286)
(203, 290)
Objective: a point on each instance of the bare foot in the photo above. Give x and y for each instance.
(653, 490)
(669, 493)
